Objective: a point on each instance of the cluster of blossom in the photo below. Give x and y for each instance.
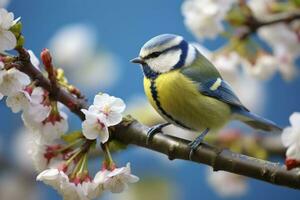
(74, 182)
(206, 19)
(113, 180)
(62, 163)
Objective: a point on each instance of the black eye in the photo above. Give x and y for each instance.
(153, 55)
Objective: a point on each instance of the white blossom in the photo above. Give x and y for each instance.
(36, 112)
(285, 44)
(94, 126)
(105, 111)
(70, 191)
(291, 137)
(117, 180)
(227, 184)
(53, 129)
(18, 101)
(12, 81)
(109, 106)
(264, 68)
(8, 40)
(280, 35)
(204, 17)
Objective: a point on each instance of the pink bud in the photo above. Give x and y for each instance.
(291, 163)
(46, 58)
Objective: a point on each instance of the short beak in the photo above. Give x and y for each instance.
(137, 60)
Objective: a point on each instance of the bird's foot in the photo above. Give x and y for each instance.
(153, 130)
(197, 142)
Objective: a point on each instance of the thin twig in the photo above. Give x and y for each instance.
(253, 24)
(61, 95)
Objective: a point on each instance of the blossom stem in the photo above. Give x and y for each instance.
(83, 166)
(109, 163)
(68, 162)
(75, 143)
(77, 168)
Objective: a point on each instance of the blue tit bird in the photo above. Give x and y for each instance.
(188, 91)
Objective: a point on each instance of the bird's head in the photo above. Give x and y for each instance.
(164, 53)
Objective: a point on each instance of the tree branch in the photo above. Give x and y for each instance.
(253, 24)
(285, 18)
(132, 132)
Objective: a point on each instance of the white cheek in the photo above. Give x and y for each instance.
(164, 62)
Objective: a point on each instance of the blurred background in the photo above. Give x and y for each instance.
(94, 41)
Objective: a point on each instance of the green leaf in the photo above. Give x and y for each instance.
(72, 136)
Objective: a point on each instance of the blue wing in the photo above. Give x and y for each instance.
(221, 90)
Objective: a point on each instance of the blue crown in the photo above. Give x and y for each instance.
(159, 40)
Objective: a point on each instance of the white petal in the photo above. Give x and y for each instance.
(50, 174)
(17, 102)
(133, 179)
(113, 119)
(7, 21)
(101, 176)
(288, 137)
(34, 60)
(293, 152)
(90, 131)
(37, 95)
(118, 105)
(101, 99)
(8, 40)
(104, 135)
(22, 77)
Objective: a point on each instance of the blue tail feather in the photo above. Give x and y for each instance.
(256, 121)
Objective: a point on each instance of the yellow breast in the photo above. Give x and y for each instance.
(178, 100)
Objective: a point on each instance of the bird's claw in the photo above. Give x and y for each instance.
(196, 143)
(153, 130)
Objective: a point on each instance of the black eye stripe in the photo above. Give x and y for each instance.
(157, 53)
(153, 55)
